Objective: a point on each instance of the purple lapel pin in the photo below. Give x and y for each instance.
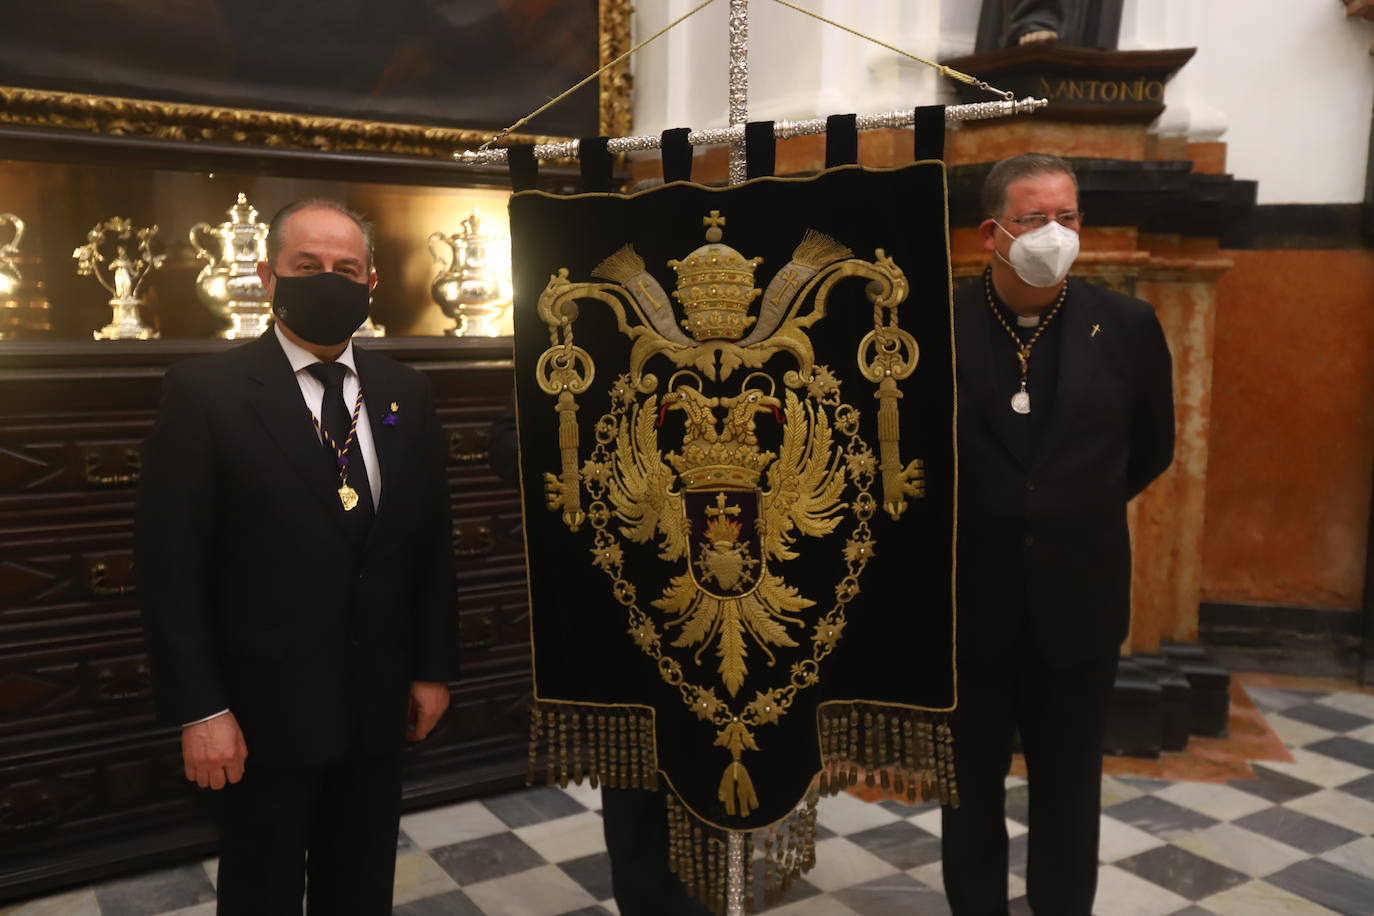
(390, 418)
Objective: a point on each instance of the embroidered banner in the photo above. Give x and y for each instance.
(736, 415)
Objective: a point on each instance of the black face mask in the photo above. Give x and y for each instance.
(323, 309)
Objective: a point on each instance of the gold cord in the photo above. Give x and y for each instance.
(1023, 350)
(944, 71)
(554, 101)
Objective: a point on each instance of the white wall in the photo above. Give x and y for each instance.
(798, 67)
(1287, 84)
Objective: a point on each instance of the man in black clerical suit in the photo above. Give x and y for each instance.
(1065, 414)
(294, 552)
(635, 821)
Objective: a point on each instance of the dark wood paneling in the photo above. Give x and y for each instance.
(91, 783)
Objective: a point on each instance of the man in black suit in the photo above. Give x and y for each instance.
(294, 551)
(1065, 414)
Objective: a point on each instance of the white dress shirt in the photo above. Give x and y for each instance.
(312, 390)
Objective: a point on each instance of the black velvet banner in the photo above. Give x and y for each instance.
(736, 414)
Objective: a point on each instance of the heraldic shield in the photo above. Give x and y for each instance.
(736, 420)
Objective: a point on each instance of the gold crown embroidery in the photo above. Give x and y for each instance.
(715, 285)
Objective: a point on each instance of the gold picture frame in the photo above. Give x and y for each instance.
(114, 115)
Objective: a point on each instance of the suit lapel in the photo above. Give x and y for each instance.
(379, 393)
(282, 411)
(977, 350)
(1078, 363)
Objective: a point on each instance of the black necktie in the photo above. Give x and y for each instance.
(335, 421)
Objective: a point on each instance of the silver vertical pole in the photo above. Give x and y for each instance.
(739, 82)
(735, 859)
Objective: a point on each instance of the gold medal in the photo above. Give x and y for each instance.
(349, 497)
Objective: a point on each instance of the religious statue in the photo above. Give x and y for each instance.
(1076, 23)
(122, 268)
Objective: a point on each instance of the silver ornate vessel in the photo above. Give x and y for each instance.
(122, 275)
(473, 285)
(24, 309)
(229, 284)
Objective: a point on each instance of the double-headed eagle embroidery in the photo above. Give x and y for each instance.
(724, 512)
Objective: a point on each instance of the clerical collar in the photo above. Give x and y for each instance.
(1011, 316)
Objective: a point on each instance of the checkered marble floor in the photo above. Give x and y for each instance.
(1294, 840)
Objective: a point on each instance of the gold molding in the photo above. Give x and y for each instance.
(117, 116)
(617, 83)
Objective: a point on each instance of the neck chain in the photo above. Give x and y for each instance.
(347, 495)
(1020, 402)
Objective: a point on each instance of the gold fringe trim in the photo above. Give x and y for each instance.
(906, 752)
(698, 854)
(607, 746)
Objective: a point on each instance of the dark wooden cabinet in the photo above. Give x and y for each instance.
(90, 783)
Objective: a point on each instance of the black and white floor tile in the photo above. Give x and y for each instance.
(1296, 840)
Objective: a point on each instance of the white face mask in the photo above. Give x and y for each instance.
(1042, 257)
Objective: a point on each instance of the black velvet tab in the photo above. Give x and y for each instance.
(596, 163)
(524, 168)
(930, 132)
(841, 140)
(677, 154)
(760, 149)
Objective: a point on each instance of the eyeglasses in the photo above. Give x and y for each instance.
(1069, 219)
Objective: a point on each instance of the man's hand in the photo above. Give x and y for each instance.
(428, 700)
(213, 751)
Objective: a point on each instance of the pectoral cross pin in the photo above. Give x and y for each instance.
(1096, 328)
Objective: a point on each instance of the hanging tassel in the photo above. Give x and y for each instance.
(563, 750)
(853, 755)
(551, 729)
(770, 869)
(534, 744)
(603, 751)
(650, 755)
(870, 758)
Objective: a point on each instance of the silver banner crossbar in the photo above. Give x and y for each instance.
(977, 111)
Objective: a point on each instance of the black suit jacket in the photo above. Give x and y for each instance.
(1043, 543)
(253, 595)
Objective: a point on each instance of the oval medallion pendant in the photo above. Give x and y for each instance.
(349, 497)
(1020, 402)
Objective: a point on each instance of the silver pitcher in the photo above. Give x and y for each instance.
(229, 284)
(472, 287)
(24, 310)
